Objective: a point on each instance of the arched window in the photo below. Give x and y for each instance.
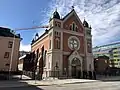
(50, 44)
(89, 45)
(76, 28)
(55, 23)
(37, 53)
(58, 24)
(57, 43)
(73, 26)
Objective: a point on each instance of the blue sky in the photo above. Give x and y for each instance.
(103, 15)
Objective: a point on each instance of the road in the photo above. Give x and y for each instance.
(22, 88)
(115, 85)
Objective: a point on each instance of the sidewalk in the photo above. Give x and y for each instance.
(24, 82)
(108, 78)
(42, 83)
(58, 82)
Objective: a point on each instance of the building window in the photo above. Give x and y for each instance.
(73, 43)
(57, 43)
(115, 55)
(73, 26)
(48, 65)
(38, 53)
(6, 55)
(89, 46)
(7, 64)
(10, 43)
(50, 45)
(88, 32)
(58, 24)
(76, 28)
(57, 34)
(55, 23)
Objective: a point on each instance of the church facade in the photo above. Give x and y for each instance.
(66, 47)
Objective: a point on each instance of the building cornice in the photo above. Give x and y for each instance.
(68, 31)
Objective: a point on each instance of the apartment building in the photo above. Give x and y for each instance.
(9, 42)
(111, 50)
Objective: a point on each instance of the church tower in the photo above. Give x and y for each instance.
(55, 25)
(88, 41)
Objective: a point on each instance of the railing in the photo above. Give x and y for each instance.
(60, 75)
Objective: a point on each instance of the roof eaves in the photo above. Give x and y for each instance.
(40, 37)
(67, 14)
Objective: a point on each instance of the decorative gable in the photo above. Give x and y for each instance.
(72, 22)
(75, 54)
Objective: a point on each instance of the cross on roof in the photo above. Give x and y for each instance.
(72, 7)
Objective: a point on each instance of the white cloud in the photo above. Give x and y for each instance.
(24, 47)
(103, 15)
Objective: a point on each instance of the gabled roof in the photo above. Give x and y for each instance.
(67, 14)
(56, 15)
(6, 32)
(71, 13)
(33, 41)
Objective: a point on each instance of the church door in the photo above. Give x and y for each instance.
(76, 68)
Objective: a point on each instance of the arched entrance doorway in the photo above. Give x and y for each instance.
(76, 68)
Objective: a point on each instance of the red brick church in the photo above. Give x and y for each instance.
(65, 47)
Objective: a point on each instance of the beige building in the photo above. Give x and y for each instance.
(7, 43)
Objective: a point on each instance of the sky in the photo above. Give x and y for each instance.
(102, 15)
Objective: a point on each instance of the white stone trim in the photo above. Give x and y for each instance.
(73, 32)
(68, 53)
(76, 17)
(71, 57)
(61, 40)
(39, 40)
(68, 31)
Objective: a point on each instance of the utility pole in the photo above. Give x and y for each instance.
(12, 52)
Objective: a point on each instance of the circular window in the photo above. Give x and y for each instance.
(73, 43)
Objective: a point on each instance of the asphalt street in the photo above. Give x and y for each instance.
(113, 85)
(22, 88)
(86, 86)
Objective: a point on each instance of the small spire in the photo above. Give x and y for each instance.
(56, 9)
(90, 27)
(84, 18)
(33, 40)
(37, 35)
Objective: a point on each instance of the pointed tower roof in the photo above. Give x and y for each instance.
(90, 27)
(55, 15)
(85, 23)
